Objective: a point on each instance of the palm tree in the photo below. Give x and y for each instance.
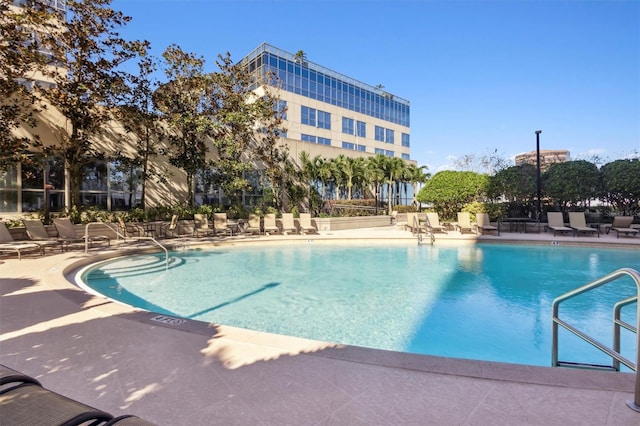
(375, 173)
(325, 173)
(393, 173)
(415, 175)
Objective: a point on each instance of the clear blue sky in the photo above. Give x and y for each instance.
(480, 75)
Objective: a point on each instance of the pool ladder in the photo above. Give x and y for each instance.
(138, 238)
(427, 230)
(614, 352)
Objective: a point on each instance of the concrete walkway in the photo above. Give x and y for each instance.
(124, 361)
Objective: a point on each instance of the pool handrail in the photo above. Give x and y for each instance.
(86, 240)
(615, 351)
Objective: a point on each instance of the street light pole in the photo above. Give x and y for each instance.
(538, 209)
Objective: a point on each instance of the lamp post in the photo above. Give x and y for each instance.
(538, 209)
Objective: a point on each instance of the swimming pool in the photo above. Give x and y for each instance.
(486, 301)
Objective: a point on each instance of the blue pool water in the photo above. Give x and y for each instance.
(486, 302)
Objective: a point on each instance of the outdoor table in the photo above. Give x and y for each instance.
(153, 229)
(519, 223)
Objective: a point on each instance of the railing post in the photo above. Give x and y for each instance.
(613, 352)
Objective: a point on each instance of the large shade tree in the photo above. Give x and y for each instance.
(572, 183)
(141, 119)
(186, 103)
(86, 52)
(621, 184)
(21, 61)
(448, 191)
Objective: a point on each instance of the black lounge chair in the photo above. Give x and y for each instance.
(33, 405)
(128, 420)
(9, 376)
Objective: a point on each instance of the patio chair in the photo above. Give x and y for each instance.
(306, 226)
(484, 224)
(288, 224)
(67, 231)
(39, 235)
(622, 225)
(253, 224)
(174, 228)
(464, 223)
(8, 244)
(128, 420)
(555, 222)
(578, 222)
(412, 222)
(270, 224)
(201, 222)
(9, 376)
(221, 225)
(29, 403)
(433, 223)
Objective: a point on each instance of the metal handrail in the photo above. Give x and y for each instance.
(124, 237)
(427, 230)
(615, 351)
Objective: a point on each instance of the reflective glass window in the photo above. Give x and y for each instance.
(347, 125)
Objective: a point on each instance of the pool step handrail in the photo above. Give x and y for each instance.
(427, 230)
(86, 239)
(613, 352)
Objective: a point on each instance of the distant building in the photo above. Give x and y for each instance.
(547, 157)
(329, 113)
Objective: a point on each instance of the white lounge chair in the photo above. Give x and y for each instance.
(578, 223)
(8, 244)
(464, 223)
(270, 224)
(306, 226)
(221, 224)
(622, 225)
(67, 231)
(555, 222)
(288, 224)
(433, 223)
(201, 225)
(484, 224)
(253, 224)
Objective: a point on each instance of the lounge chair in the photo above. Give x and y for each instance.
(221, 225)
(67, 232)
(578, 223)
(128, 420)
(175, 229)
(39, 235)
(484, 224)
(270, 224)
(253, 224)
(622, 225)
(288, 224)
(201, 222)
(555, 222)
(34, 405)
(432, 223)
(464, 223)
(9, 376)
(306, 226)
(8, 244)
(412, 222)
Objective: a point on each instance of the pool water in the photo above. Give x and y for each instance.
(486, 302)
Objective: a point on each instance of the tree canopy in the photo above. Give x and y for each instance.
(448, 191)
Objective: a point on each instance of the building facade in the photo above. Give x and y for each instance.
(547, 157)
(328, 113)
